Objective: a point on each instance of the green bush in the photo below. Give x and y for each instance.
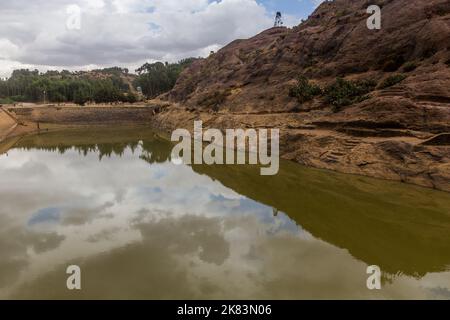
(6, 101)
(342, 93)
(130, 98)
(392, 81)
(409, 67)
(342, 13)
(304, 91)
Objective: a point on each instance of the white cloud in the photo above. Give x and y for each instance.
(121, 32)
(317, 2)
(8, 49)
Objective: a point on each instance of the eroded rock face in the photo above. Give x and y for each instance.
(247, 83)
(256, 74)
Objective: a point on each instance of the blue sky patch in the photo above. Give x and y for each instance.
(50, 215)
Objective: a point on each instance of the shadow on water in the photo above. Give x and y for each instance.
(401, 228)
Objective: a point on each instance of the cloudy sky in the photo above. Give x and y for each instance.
(87, 34)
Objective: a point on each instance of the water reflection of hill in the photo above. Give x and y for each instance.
(401, 228)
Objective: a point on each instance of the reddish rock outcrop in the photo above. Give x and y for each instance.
(247, 84)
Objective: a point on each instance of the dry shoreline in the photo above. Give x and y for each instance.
(405, 158)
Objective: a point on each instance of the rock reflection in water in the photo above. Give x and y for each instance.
(110, 201)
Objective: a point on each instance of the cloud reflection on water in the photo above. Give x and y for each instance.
(142, 228)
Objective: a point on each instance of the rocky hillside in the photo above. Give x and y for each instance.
(346, 98)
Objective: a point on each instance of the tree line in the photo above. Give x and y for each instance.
(53, 86)
(106, 86)
(157, 78)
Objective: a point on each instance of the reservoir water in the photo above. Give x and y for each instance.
(111, 202)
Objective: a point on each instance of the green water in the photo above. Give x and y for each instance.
(111, 202)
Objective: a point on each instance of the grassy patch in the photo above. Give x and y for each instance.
(392, 81)
(6, 101)
(342, 13)
(409, 67)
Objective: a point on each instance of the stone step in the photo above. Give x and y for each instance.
(337, 153)
(331, 160)
(388, 94)
(432, 104)
(393, 90)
